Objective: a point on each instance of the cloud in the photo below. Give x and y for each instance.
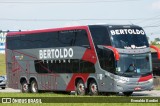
(156, 5)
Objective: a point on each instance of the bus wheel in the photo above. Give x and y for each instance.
(80, 88)
(127, 93)
(24, 87)
(34, 86)
(93, 88)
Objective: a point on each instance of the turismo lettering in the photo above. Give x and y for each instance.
(126, 31)
(55, 53)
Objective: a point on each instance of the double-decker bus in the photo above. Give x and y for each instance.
(86, 59)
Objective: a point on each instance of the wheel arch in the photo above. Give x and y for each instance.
(23, 78)
(32, 78)
(89, 80)
(77, 79)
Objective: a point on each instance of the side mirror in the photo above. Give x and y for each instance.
(115, 51)
(157, 49)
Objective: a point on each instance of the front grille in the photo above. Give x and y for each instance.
(137, 83)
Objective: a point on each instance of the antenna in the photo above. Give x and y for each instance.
(131, 22)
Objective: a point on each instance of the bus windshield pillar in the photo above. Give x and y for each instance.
(157, 49)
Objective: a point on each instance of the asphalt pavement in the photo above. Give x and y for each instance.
(153, 93)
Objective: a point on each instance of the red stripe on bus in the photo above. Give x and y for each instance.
(90, 56)
(71, 84)
(141, 79)
(46, 30)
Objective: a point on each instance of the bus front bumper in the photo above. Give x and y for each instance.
(134, 86)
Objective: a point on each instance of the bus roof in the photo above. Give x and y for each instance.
(66, 28)
(118, 26)
(45, 30)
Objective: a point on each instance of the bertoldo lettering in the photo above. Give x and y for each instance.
(55, 53)
(126, 31)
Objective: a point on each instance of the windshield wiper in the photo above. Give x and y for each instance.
(124, 43)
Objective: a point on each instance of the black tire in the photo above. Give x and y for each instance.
(93, 88)
(80, 88)
(34, 86)
(3, 87)
(25, 87)
(127, 93)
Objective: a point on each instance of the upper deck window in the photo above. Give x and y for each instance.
(48, 39)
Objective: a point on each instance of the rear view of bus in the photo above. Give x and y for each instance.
(124, 53)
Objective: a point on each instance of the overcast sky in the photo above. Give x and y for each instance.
(42, 14)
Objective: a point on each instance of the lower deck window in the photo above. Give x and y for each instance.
(64, 66)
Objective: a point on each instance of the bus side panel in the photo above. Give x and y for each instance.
(25, 60)
(9, 68)
(45, 82)
(62, 81)
(13, 70)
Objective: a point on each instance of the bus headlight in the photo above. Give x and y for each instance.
(150, 80)
(120, 81)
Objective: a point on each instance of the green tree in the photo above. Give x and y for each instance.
(153, 42)
(157, 39)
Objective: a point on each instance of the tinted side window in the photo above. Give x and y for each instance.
(66, 38)
(81, 38)
(106, 60)
(38, 40)
(100, 35)
(74, 38)
(59, 66)
(48, 39)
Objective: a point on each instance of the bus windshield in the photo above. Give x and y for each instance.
(129, 38)
(133, 65)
